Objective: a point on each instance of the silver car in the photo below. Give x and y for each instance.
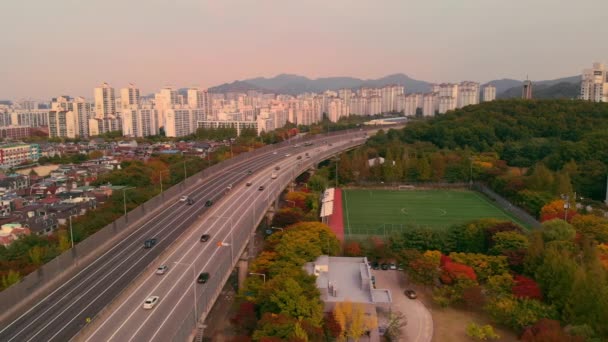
(162, 269)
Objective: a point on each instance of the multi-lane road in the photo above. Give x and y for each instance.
(64, 312)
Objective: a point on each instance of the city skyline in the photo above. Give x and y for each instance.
(205, 43)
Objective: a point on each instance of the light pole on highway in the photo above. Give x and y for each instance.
(194, 285)
(259, 274)
(124, 198)
(71, 232)
(336, 159)
(161, 179)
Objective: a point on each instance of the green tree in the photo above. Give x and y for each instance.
(481, 333)
(555, 275)
(558, 230)
(10, 278)
(508, 241)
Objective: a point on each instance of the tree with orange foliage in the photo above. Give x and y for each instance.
(556, 209)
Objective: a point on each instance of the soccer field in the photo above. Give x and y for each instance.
(381, 212)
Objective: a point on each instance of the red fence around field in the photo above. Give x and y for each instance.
(336, 220)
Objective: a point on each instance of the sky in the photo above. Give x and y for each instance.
(68, 47)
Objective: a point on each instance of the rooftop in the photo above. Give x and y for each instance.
(341, 278)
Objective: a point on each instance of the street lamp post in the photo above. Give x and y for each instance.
(566, 199)
(193, 277)
(161, 179)
(259, 274)
(336, 160)
(71, 232)
(124, 198)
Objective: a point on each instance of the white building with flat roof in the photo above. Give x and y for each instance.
(489, 93)
(594, 84)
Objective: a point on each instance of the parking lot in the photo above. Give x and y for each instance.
(419, 326)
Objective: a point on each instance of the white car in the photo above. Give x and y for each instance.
(183, 198)
(150, 302)
(229, 187)
(162, 269)
(287, 155)
(273, 176)
(275, 152)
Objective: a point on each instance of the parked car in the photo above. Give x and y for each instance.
(205, 237)
(384, 267)
(202, 278)
(162, 269)
(229, 187)
(209, 203)
(411, 294)
(273, 176)
(275, 152)
(261, 188)
(183, 199)
(400, 267)
(249, 172)
(392, 266)
(375, 265)
(190, 201)
(287, 154)
(150, 243)
(150, 302)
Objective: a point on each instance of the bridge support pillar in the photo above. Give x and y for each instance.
(243, 266)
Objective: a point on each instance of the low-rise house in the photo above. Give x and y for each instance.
(341, 279)
(10, 232)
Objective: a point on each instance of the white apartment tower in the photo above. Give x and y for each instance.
(129, 97)
(105, 102)
(489, 93)
(468, 94)
(594, 84)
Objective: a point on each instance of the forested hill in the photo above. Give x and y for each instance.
(524, 132)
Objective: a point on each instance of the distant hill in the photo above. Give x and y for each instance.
(563, 90)
(295, 84)
(509, 88)
(237, 86)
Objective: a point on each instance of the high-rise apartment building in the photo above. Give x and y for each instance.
(129, 97)
(594, 84)
(468, 94)
(489, 93)
(62, 124)
(105, 110)
(526, 92)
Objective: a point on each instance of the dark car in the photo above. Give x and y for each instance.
(208, 203)
(248, 184)
(411, 294)
(261, 188)
(299, 157)
(190, 201)
(202, 278)
(375, 265)
(384, 267)
(205, 237)
(150, 243)
(277, 167)
(249, 172)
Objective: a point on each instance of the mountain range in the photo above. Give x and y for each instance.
(295, 84)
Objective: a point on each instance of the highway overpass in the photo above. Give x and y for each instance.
(61, 314)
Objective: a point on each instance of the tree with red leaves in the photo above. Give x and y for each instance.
(332, 326)
(245, 317)
(525, 287)
(547, 330)
(353, 249)
(453, 270)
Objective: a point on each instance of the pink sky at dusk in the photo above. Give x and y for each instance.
(68, 47)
